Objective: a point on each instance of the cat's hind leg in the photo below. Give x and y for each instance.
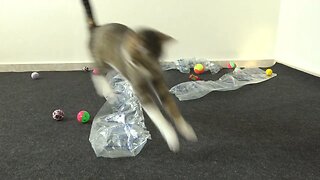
(144, 93)
(184, 128)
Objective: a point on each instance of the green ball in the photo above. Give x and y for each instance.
(232, 65)
(83, 117)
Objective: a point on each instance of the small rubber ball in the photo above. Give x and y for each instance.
(58, 115)
(198, 69)
(232, 65)
(269, 72)
(83, 117)
(35, 75)
(95, 71)
(86, 69)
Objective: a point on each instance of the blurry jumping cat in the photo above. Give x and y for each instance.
(135, 54)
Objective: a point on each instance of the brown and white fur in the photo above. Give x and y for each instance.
(135, 54)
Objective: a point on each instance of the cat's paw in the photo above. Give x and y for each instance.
(172, 139)
(165, 128)
(186, 130)
(102, 86)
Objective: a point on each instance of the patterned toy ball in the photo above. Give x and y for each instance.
(269, 72)
(231, 65)
(198, 69)
(86, 69)
(194, 77)
(58, 115)
(35, 75)
(83, 117)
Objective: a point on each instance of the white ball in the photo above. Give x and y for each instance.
(35, 75)
(236, 70)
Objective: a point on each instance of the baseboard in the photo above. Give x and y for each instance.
(43, 67)
(79, 66)
(263, 63)
(314, 71)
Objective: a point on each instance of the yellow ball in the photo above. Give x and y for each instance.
(198, 68)
(269, 72)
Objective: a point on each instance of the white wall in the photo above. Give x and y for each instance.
(54, 31)
(41, 31)
(298, 43)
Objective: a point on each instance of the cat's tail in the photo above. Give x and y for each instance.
(90, 19)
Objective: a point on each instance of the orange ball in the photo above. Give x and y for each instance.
(198, 68)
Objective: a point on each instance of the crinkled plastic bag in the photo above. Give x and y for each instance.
(184, 65)
(231, 81)
(118, 129)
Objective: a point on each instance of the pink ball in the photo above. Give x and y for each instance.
(83, 117)
(95, 71)
(232, 65)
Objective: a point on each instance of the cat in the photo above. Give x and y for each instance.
(135, 55)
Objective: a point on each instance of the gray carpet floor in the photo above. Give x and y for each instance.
(269, 130)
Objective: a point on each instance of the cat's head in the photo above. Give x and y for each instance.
(152, 41)
(148, 43)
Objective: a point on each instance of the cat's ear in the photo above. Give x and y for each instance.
(164, 37)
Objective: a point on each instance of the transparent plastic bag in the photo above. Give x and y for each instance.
(118, 129)
(231, 81)
(184, 65)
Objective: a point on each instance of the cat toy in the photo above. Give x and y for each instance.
(231, 65)
(86, 69)
(198, 69)
(269, 72)
(83, 117)
(58, 115)
(194, 77)
(95, 71)
(35, 75)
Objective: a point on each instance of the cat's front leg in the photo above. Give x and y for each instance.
(103, 88)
